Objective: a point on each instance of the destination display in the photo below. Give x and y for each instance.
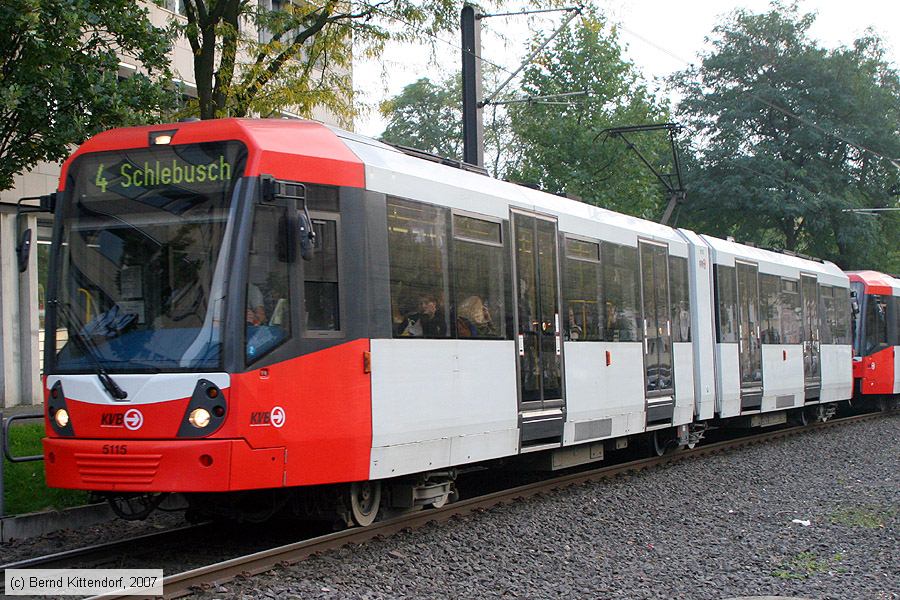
(208, 167)
(165, 173)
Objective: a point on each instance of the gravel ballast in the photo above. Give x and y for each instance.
(812, 516)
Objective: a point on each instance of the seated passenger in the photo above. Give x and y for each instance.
(256, 309)
(474, 319)
(427, 322)
(574, 330)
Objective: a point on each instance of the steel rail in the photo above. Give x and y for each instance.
(182, 584)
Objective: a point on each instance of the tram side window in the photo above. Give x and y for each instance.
(842, 333)
(726, 304)
(876, 324)
(681, 299)
(827, 314)
(791, 319)
(420, 278)
(583, 294)
(480, 279)
(322, 198)
(770, 308)
(320, 279)
(268, 311)
(620, 285)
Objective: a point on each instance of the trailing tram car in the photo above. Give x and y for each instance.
(876, 355)
(783, 334)
(255, 313)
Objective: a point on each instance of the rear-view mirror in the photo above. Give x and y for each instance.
(23, 250)
(307, 237)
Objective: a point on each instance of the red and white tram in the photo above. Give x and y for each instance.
(280, 305)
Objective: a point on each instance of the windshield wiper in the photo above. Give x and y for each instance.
(88, 347)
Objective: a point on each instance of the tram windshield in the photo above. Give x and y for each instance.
(140, 264)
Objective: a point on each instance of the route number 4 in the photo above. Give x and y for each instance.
(101, 181)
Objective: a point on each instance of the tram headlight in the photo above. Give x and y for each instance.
(199, 418)
(61, 417)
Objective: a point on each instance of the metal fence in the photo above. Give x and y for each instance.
(7, 452)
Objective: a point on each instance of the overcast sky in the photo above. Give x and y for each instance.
(660, 36)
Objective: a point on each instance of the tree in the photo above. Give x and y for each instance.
(789, 135)
(552, 144)
(428, 116)
(561, 145)
(300, 53)
(59, 83)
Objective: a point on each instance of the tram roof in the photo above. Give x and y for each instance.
(290, 149)
(392, 171)
(876, 282)
(774, 262)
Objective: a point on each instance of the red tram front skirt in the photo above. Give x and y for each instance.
(161, 466)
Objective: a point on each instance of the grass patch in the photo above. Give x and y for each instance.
(25, 489)
(861, 516)
(803, 565)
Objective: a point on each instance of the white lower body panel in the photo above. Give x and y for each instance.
(604, 399)
(438, 403)
(782, 376)
(684, 383)
(728, 370)
(837, 373)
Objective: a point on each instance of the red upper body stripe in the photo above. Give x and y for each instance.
(286, 149)
(874, 282)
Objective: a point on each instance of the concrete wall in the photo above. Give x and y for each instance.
(19, 317)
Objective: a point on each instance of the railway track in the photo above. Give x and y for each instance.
(101, 554)
(106, 554)
(184, 583)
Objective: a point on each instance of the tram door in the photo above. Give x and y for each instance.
(657, 328)
(812, 367)
(538, 337)
(749, 346)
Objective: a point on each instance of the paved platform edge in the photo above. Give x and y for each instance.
(34, 524)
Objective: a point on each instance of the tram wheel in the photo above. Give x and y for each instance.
(802, 417)
(662, 441)
(365, 500)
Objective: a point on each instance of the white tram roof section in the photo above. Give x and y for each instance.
(895, 284)
(775, 263)
(390, 171)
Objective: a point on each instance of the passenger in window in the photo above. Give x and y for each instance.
(428, 322)
(474, 319)
(684, 322)
(620, 323)
(256, 308)
(573, 329)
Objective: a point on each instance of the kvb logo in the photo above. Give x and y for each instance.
(263, 418)
(133, 419)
